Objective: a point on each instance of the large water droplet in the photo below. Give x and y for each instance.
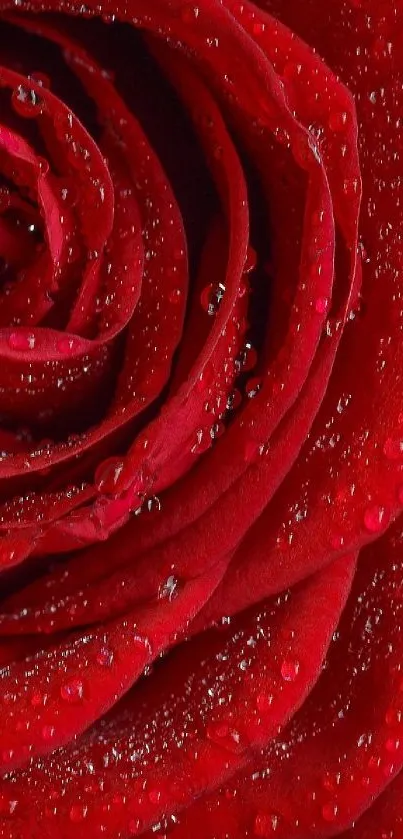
(374, 518)
(393, 448)
(265, 825)
(105, 657)
(48, 732)
(330, 811)
(21, 341)
(252, 387)
(247, 358)
(72, 691)
(224, 735)
(337, 120)
(203, 441)
(169, 590)
(108, 473)
(290, 669)
(26, 102)
(321, 305)
(78, 812)
(211, 298)
(251, 260)
(264, 701)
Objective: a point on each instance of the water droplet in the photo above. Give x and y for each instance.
(44, 169)
(78, 813)
(247, 358)
(72, 691)
(251, 261)
(38, 699)
(105, 657)
(350, 187)
(290, 669)
(330, 811)
(175, 296)
(331, 780)
(393, 448)
(154, 796)
(321, 305)
(252, 387)
(374, 518)
(21, 341)
(265, 825)
(203, 441)
(48, 732)
(190, 13)
(26, 101)
(7, 805)
(154, 503)
(211, 298)
(169, 590)
(234, 400)
(264, 701)
(165, 826)
(108, 473)
(258, 28)
(392, 744)
(66, 345)
(337, 120)
(223, 735)
(135, 827)
(41, 79)
(393, 716)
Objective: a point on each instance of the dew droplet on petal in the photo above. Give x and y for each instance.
(44, 169)
(105, 657)
(264, 701)
(26, 101)
(78, 813)
(252, 387)
(135, 827)
(337, 120)
(223, 735)
(374, 518)
(247, 358)
(203, 441)
(108, 473)
(393, 448)
(72, 691)
(154, 796)
(392, 744)
(175, 296)
(169, 590)
(21, 341)
(7, 805)
(330, 811)
(321, 305)
(37, 699)
(66, 345)
(393, 716)
(211, 298)
(251, 260)
(234, 400)
(190, 13)
(154, 503)
(40, 78)
(290, 669)
(265, 825)
(48, 732)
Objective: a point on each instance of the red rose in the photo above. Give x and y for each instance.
(201, 419)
